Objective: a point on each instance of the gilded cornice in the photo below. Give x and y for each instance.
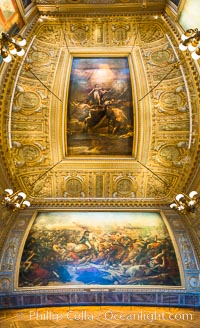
(89, 7)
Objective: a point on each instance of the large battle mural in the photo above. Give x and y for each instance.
(98, 248)
(100, 110)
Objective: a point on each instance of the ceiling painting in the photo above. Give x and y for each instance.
(100, 109)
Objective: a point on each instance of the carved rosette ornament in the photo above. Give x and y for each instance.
(125, 186)
(28, 154)
(27, 102)
(73, 186)
(79, 34)
(172, 154)
(161, 57)
(172, 102)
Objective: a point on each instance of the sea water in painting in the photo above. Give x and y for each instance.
(98, 248)
(100, 110)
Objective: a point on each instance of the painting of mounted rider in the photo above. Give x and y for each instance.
(100, 107)
(79, 249)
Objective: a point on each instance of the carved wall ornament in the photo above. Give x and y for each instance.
(150, 33)
(161, 57)
(155, 188)
(172, 102)
(77, 27)
(172, 154)
(10, 253)
(28, 154)
(173, 126)
(25, 126)
(99, 33)
(120, 34)
(74, 186)
(5, 284)
(51, 34)
(169, 153)
(188, 257)
(40, 58)
(125, 186)
(40, 55)
(28, 102)
(42, 188)
(79, 33)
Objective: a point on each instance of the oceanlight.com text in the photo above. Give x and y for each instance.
(108, 315)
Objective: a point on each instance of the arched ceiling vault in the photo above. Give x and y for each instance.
(165, 133)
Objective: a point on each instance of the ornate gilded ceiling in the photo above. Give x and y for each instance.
(165, 110)
(99, 6)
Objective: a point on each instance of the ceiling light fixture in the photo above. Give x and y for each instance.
(17, 201)
(11, 46)
(191, 41)
(14, 201)
(185, 204)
